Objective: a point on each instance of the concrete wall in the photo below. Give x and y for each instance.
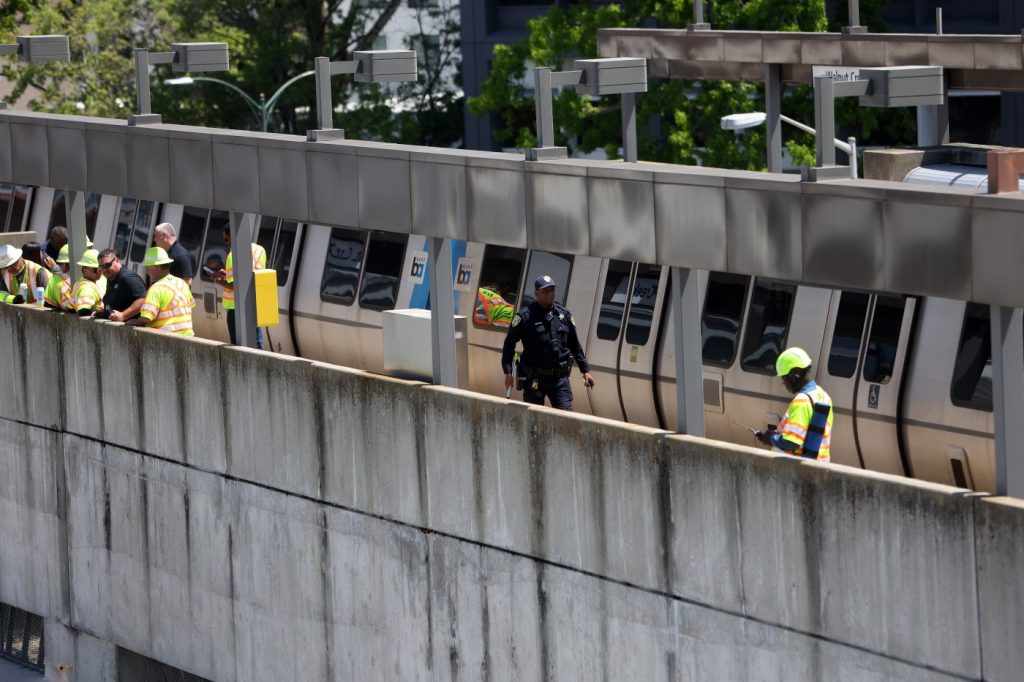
(280, 519)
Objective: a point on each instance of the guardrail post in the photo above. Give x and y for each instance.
(245, 283)
(442, 313)
(689, 368)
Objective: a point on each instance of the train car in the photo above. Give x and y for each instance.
(911, 377)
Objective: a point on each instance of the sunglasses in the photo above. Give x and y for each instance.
(107, 265)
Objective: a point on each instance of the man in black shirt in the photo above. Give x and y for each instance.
(166, 238)
(126, 292)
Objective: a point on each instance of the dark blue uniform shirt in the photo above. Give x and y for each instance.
(548, 337)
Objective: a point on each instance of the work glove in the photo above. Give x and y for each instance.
(18, 300)
(764, 437)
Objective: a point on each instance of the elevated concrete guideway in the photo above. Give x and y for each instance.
(311, 522)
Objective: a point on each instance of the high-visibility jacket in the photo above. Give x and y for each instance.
(58, 291)
(807, 426)
(168, 306)
(33, 274)
(259, 262)
(492, 309)
(86, 295)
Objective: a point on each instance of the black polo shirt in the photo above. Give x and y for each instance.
(124, 290)
(182, 266)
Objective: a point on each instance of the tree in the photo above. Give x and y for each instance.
(686, 115)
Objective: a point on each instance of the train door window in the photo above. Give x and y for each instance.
(613, 300)
(6, 199)
(215, 249)
(880, 358)
(847, 333)
(342, 267)
(58, 212)
(141, 234)
(771, 306)
(282, 259)
(92, 213)
(722, 317)
(125, 221)
(267, 233)
(384, 259)
(501, 272)
(641, 304)
(192, 230)
(972, 372)
(557, 265)
(19, 208)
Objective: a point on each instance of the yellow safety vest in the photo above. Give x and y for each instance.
(259, 262)
(809, 419)
(58, 292)
(492, 309)
(28, 275)
(168, 306)
(86, 295)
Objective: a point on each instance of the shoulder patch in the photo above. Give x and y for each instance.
(516, 320)
(572, 318)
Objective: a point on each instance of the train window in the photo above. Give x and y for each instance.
(847, 333)
(771, 305)
(140, 235)
(123, 231)
(613, 300)
(556, 265)
(58, 212)
(342, 267)
(972, 373)
(880, 358)
(215, 250)
(192, 229)
(723, 313)
(641, 304)
(500, 273)
(6, 196)
(267, 233)
(19, 208)
(282, 261)
(384, 259)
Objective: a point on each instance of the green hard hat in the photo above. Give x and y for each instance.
(64, 256)
(156, 256)
(90, 259)
(790, 359)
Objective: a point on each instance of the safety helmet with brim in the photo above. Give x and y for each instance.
(156, 256)
(790, 359)
(64, 255)
(90, 259)
(9, 255)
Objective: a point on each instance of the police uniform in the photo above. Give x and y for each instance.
(550, 345)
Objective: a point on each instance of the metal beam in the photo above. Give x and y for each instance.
(824, 121)
(1008, 398)
(689, 369)
(545, 119)
(244, 284)
(773, 110)
(442, 313)
(629, 127)
(74, 208)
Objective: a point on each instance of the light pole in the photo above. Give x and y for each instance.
(260, 109)
(755, 118)
(183, 58)
(38, 49)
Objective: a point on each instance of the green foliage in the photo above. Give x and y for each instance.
(687, 114)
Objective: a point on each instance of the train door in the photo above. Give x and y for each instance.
(280, 339)
(501, 272)
(638, 350)
(604, 344)
(838, 369)
(721, 324)
(880, 382)
(15, 204)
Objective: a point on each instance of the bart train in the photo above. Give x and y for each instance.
(911, 377)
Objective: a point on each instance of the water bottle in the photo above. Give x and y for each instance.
(39, 296)
(23, 291)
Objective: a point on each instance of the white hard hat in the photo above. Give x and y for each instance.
(9, 255)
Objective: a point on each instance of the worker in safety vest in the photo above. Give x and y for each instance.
(169, 301)
(226, 278)
(86, 295)
(58, 292)
(492, 309)
(18, 271)
(806, 430)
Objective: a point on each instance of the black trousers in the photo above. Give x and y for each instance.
(555, 389)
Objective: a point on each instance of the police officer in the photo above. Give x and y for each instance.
(550, 345)
(806, 430)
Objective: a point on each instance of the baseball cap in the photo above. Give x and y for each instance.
(543, 282)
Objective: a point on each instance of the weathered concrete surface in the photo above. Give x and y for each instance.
(311, 522)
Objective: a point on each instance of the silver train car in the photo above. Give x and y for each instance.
(911, 377)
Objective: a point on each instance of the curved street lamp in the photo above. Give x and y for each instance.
(261, 109)
(755, 118)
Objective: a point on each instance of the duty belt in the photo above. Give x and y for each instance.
(546, 371)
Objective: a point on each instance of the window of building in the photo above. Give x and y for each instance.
(428, 48)
(771, 306)
(972, 373)
(723, 314)
(557, 265)
(613, 300)
(383, 270)
(880, 358)
(422, 4)
(641, 304)
(847, 333)
(342, 266)
(380, 43)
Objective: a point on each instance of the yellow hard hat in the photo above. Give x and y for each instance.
(64, 256)
(790, 359)
(90, 259)
(156, 256)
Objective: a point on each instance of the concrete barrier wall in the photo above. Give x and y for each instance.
(281, 519)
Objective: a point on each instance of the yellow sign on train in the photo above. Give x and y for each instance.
(266, 298)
